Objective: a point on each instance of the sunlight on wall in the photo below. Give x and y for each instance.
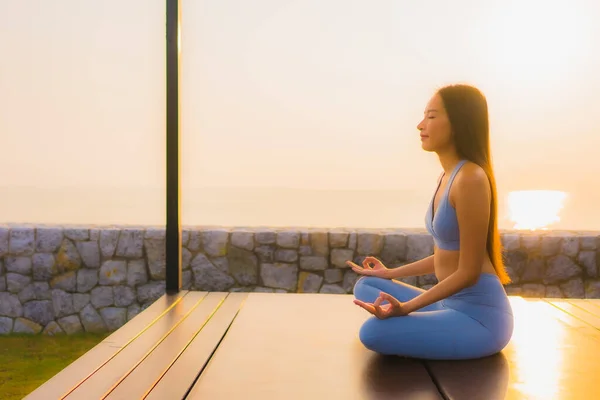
(535, 209)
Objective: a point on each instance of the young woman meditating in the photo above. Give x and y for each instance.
(467, 313)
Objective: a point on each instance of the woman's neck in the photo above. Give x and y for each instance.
(448, 160)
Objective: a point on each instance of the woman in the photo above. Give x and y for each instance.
(467, 313)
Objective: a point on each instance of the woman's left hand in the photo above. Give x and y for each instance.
(392, 309)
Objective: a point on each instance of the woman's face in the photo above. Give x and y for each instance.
(436, 132)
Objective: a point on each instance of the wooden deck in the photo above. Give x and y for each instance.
(200, 345)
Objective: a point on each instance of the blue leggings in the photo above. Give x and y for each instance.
(473, 323)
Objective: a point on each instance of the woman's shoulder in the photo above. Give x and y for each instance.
(470, 179)
(470, 172)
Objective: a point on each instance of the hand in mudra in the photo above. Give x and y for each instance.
(393, 308)
(371, 267)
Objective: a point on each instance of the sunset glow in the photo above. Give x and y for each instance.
(541, 49)
(535, 209)
(292, 113)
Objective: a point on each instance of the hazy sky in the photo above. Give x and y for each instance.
(301, 94)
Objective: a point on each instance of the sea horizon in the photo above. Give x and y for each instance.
(259, 206)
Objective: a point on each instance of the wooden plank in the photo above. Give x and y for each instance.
(181, 375)
(595, 302)
(551, 360)
(481, 379)
(132, 329)
(577, 312)
(586, 305)
(151, 369)
(131, 355)
(78, 371)
(484, 378)
(546, 359)
(540, 305)
(303, 346)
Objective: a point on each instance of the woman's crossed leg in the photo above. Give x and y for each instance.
(433, 332)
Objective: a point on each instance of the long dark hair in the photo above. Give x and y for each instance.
(467, 111)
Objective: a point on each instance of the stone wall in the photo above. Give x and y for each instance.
(73, 279)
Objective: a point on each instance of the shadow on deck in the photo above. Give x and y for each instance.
(200, 345)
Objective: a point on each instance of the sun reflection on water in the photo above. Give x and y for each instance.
(535, 209)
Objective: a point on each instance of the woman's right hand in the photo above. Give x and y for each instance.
(371, 267)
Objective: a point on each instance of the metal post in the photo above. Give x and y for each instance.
(173, 230)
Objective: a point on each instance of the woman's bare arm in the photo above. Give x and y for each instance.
(417, 268)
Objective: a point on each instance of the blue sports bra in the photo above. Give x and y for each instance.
(443, 226)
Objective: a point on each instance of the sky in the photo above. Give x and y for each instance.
(296, 95)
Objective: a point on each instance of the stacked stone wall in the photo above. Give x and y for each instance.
(72, 279)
